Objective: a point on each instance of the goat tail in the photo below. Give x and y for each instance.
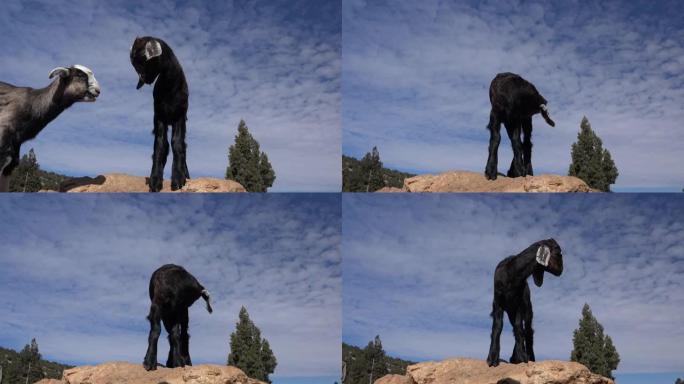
(207, 299)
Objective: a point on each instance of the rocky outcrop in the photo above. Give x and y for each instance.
(118, 182)
(463, 181)
(471, 371)
(122, 372)
(390, 189)
(394, 379)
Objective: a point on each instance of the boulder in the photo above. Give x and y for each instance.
(472, 371)
(464, 181)
(118, 182)
(123, 372)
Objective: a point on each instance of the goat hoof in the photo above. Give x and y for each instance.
(177, 184)
(149, 367)
(490, 175)
(155, 184)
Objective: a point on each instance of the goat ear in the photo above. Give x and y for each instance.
(538, 276)
(152, 49)
(61, 71)
(543, 255)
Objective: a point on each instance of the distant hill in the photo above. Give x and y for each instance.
(13, 372)
(351, 353)
(353, 182)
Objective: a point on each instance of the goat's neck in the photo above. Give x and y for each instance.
(47, 104)
(525, 263)
(171, 69)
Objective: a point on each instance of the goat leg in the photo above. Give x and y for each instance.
(519, 355)
(179, 170)
(527, 146)
(150, 362)
(494, 127)
(175, 359)
(185, 339)
(161, 152)
(5, 176)
(527, 325)
(513, 130)
(9, 159)
(497, 326)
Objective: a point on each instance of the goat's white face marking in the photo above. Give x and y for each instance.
(543, 255)
(93, 85)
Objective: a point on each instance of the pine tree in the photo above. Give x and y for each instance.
(590, 161)
(30, 357)
(375, 360)
(371, 365)
(592, 348)
(365, 175)
(371, 171)
(25, 177)
(247, 164)
(249, 351)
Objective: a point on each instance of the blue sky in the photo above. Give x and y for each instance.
(416, 79)
(275, 64)
(75, 274)
(418, 271)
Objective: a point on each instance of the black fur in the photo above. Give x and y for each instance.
(512, 295)
(172, 291)
(170, 108)
(514, 102)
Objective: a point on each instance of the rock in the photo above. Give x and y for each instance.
(122, 372)
(471, 371)
(118, 182)
(390, 189)
(394, 379)
(463, 181)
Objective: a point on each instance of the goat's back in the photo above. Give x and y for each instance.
(13, 101)
(173, 284)
(511, 95)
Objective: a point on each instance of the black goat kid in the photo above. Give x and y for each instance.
(172, 291)
(154, 60)
(514, 102)
(512, 295)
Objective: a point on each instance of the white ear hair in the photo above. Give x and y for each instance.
(152, 49)
(61, 71)
(543, 255)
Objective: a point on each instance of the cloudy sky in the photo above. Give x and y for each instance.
(416, 79)
(418, 270)
(275, 64)
(75, 274)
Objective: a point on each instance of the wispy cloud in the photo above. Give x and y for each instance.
(75, 272)
(416, 78)
(275, 64)
(418, 270)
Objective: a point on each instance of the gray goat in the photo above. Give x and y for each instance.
(24, 111)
